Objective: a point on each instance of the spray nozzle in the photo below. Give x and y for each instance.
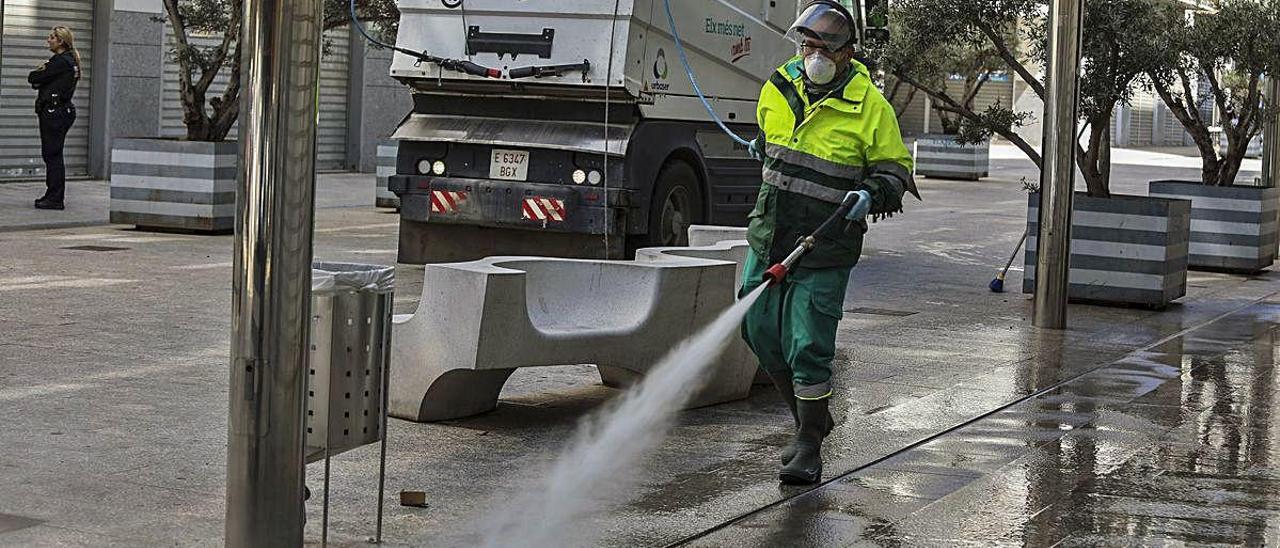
(775, 274)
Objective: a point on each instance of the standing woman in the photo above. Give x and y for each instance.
(56, 82)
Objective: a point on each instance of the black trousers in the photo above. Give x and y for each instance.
(54, 125)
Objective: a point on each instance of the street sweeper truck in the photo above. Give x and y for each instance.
(572, 128)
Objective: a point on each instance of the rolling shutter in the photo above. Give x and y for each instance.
(26, 24)
(331, 141)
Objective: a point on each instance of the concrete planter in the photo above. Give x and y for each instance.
(170, 184)
(1128, 250)
(386, 168)
(941, 157)
(1232, 227)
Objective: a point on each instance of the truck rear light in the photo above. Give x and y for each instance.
(594, 177)
(579, 176)
(428, 166)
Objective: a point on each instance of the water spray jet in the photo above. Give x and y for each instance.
(600, 465)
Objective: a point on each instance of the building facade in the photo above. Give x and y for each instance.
(129, 86)
(1144, 122)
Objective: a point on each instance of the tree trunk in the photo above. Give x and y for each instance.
(1095, 162)
(1010, 58)
(1104, 158)
(911, 97)
(227, 108)
(1229, 167)
(193, 116)
(1229, 171)
(201, 126)
(950, 122)
(1184, 110)
(951, 105)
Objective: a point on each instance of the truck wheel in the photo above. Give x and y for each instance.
(677, 203)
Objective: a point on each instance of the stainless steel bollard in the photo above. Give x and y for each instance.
(1057, 178)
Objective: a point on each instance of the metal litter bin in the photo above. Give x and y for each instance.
(350, 351)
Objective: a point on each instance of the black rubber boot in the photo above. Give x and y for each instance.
(788, 393)
(806, 467)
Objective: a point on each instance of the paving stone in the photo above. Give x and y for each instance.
(115, 394)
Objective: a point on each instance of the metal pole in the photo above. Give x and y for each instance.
(1271, 137)
(1057, 179)
(384, 311)
(271, 298)
(324, 520)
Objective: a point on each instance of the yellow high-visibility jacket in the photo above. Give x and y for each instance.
(815, 153)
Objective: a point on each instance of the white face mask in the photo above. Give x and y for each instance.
(819, 69)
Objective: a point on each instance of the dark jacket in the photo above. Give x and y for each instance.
(56, 80)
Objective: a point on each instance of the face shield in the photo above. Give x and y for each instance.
(824, 25)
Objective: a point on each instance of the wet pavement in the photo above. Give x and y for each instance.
(1170, 445)
(958, 423)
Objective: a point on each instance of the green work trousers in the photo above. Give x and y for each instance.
(792, 327)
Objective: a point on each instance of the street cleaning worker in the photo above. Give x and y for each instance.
(826, 132)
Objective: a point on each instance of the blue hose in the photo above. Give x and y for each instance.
(419, 55)
(684, 60)
(355, 22)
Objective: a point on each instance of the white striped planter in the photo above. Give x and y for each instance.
(1233, 228)
(1124, 250)
(941, 157)
(171, 184)
(386, 168)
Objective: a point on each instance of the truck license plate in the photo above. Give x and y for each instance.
(509, 165)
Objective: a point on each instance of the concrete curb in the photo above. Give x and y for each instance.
(52, 226)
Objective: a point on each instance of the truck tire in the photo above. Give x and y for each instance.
(676, 204)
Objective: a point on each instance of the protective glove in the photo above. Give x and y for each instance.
(756, 149)
(861, 208)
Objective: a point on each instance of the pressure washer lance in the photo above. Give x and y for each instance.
(997, 285)
(777, 272)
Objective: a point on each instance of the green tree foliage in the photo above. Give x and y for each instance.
(934, 39)
(211, 118)
(1229, 50)
(932, 63)
(1113, 57)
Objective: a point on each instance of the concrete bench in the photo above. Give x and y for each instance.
(479, 321)
(705, 235)
(711, 235)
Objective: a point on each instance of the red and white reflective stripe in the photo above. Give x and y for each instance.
(445, 201)
(544, 209)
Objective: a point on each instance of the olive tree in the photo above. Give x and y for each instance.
(932, 35)
(934, 41)
(1216, 60)
(210, 118)
(1113, 56)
